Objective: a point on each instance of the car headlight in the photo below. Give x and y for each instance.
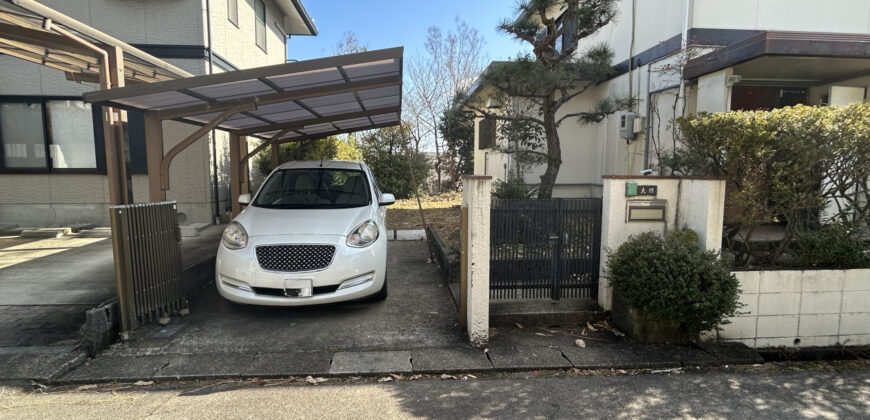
(234, 236)
(363, 235)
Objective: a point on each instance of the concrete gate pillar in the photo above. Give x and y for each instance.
(476, 201)
(634, 205)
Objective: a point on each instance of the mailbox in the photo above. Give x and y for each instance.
(646, 210)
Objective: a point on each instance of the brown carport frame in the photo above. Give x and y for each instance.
(295, 101)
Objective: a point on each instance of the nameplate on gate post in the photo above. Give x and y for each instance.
(632, 189)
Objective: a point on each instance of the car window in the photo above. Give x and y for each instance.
(316, 188)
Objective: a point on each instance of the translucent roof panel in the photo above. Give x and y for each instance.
(341, 93)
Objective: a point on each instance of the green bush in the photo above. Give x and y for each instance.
(834, 246)
(783, 166)
(673, 279)
(514, 188)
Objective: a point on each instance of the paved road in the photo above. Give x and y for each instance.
(816, 394)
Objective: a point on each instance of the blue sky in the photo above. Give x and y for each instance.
(392, 23)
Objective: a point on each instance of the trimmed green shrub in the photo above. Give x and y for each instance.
(514, 188)
(783, 166)
(834, 246)
(675, 280)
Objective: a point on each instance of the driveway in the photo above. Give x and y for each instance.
(419, 313)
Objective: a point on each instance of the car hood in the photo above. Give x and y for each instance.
(259, 221)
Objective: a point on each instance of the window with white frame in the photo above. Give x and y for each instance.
(233, 11)
(43, 135)
(260, 23)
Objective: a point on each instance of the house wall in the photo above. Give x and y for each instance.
(53, 199)
(840, 16)
(238, 44)
(802, 309)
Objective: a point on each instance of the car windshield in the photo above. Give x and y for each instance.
(314, 188)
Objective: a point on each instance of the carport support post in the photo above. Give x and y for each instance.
(238, 147)
(154, 153)
(476, 199)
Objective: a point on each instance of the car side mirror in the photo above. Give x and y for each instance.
(387, 200)
(245, 199)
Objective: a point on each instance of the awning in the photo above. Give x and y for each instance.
(845, 56)
(293, 101)
(36, 33)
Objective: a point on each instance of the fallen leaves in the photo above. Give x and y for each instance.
(314, 381)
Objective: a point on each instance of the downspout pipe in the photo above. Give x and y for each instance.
(49, 13)
(214, 165)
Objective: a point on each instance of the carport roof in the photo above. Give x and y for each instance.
(303, 99)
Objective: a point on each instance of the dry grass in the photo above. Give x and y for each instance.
(441, 211)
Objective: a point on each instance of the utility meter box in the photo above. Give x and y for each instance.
(626, 125)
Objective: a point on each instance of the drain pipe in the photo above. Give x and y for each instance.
(214, 165)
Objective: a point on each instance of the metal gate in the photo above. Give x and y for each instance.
(544, 248)
(147, 244)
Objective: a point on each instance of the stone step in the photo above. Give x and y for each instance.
(46, 232)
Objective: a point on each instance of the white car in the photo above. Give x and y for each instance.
(313, 234)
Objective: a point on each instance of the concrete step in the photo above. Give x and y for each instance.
(46, 232)
(544, 312)
(100, 232)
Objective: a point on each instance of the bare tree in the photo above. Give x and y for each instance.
(450, 64)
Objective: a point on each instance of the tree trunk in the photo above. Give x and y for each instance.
(554, 151)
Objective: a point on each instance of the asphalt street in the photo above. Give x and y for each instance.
(819, 393)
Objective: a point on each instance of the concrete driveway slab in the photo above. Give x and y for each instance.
(290, 363)
(450, 360)
(202, 366)
(516, 358)
(370, 362)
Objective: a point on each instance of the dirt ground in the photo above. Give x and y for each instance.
(441, 211)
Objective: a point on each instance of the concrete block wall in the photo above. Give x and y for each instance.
(802, 308)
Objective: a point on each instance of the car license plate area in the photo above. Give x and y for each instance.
(298, 288)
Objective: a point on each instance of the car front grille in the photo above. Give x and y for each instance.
(291, 258)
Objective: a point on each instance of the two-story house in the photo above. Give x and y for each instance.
(682, 56)
(54, 176)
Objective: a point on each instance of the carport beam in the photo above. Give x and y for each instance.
(164, 164)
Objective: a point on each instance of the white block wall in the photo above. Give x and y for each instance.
(802, 308)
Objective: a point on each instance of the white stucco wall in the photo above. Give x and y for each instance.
(802, 309)
(713, 95)
(842, 16)
(693, 203)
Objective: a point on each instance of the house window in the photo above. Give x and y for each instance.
(486, 133)
(43, 135)
(22, 134)
(72, 135)
(233, 11)
(260, 24)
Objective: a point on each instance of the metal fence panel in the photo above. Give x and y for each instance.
(147, 244)
(545, 248)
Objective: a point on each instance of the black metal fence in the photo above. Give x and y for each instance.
(544, 248)
(147, 245)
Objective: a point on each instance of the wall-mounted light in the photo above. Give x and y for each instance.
(732, 80)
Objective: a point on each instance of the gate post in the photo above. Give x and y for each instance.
(476, 200)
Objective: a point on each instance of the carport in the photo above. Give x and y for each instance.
(291, 102)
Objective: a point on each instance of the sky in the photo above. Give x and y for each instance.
(392, 23)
